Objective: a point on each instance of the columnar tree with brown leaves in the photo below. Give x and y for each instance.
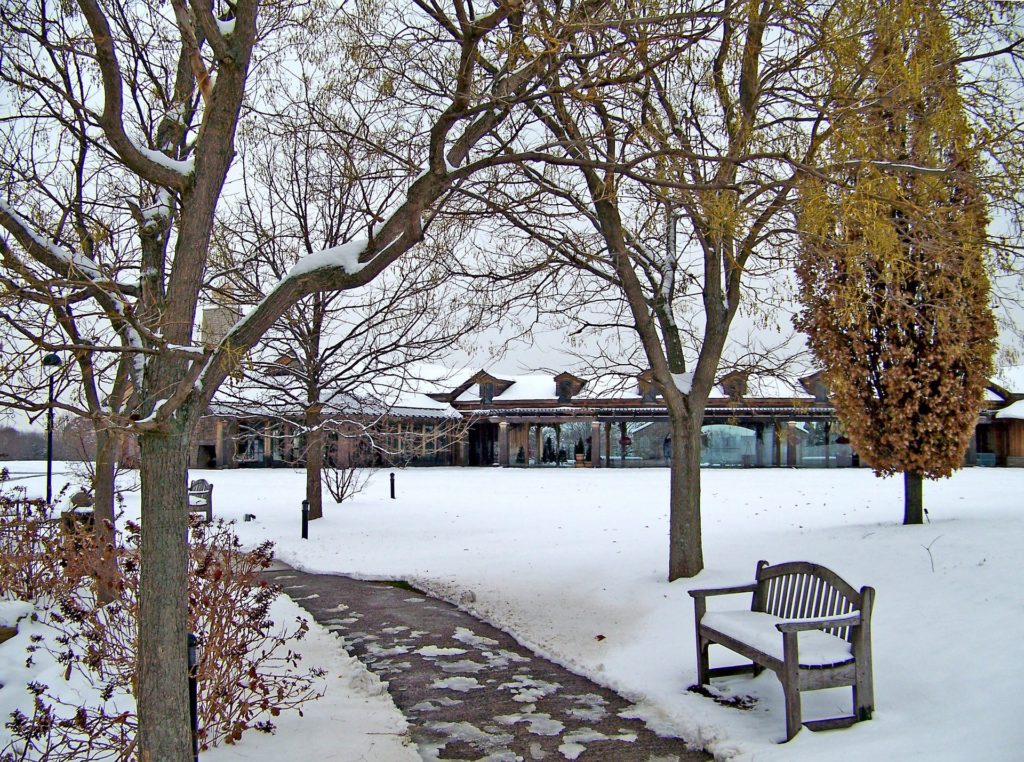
(892, 274)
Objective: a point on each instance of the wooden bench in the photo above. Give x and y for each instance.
(200, 498)
(806, 624)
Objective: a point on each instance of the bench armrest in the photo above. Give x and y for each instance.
(709, 591)
(800, 625)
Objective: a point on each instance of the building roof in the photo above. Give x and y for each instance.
(543, 388)
(1007, 382)
(1013, 411)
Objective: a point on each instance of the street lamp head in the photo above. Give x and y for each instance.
(52, 361)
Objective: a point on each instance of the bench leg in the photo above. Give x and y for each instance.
(791, 684)
(863, 689)
(793, 713)
(703, 662)
(863, 699)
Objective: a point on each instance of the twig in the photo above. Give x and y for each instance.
(928, 549)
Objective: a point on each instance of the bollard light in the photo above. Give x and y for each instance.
(305, 519)
(392, 485)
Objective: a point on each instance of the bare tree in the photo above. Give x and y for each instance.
(305, 192)
(662, 190)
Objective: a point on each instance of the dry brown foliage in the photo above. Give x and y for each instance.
(247, 670)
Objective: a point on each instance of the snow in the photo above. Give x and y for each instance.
(1010, 377)
(353, 691)
(683, 382)
(558, 557)
(345, 256)
(77, 262)
(355, 720)
(183, 167)
(540, 386)
(759, 631)
(1014, 411)
(524, 387)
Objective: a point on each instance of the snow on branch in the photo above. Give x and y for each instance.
(683, 382)
(344, 257)
(65, 262)
(182, 167)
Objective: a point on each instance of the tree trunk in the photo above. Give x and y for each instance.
(164, 725)
(686, 554)
(107, 446)
(913, 498)
(314, 465)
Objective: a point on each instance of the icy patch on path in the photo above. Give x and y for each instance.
(470, 638)
(527, 690)
(573, 743)
(460, 684)
(540, 724)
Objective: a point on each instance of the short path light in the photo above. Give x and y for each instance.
(193, 693)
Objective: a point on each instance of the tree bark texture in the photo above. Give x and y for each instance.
(314, 465)
(686, 554)
(107, 447)
(913, 498)
(164, 725)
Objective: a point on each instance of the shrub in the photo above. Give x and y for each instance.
(34, 547)
(247, 672)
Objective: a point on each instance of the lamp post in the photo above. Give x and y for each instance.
(50, 362)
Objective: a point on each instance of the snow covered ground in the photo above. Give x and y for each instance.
(573, 563)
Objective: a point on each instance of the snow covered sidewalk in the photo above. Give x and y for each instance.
(468, 690)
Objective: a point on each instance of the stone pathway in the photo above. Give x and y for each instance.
(468, 690)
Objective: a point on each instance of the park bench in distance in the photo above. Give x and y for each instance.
(200, 498)
(806, 624)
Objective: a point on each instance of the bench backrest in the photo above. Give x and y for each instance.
(200, 488)
(802, 590)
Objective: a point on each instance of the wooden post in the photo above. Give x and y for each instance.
(503, 445)
(595, 444)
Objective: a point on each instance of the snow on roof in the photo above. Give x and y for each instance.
(285, 394)
(530, 387)
(541, 386)
(1010, 377)
(1014, 411)
(420, 405)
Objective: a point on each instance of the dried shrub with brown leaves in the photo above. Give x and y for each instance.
(247, 673)
(40, 554)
